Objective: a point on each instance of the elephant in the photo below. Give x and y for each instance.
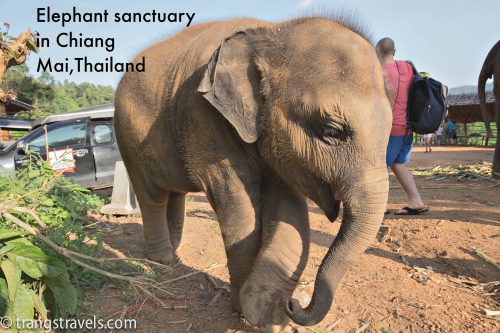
(260, 116)
(491, 66)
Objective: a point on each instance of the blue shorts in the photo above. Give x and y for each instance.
(399, 149)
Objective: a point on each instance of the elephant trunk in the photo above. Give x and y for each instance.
(481, 87)
(484, 75)
(364, 206)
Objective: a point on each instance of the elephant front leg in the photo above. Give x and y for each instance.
(496, 156)
(282, 258)
(236, 206)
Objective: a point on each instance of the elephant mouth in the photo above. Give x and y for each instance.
(333, 212)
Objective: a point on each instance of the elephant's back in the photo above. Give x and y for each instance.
(147, 99)
(195, 45)
(148, 110)
(171, 62)
(175, 59)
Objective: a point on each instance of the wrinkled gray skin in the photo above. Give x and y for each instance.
(491, 67)
(260, 116)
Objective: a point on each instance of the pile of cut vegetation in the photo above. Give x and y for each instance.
(463, 172)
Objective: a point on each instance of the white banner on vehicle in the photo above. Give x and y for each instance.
(62, 160)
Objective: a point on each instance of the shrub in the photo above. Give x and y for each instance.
(34, 276)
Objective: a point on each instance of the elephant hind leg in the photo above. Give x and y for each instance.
(175, 218)
(156, 230)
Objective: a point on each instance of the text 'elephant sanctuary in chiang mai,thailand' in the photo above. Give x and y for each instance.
(261, 116)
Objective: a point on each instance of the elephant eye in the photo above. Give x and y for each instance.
(333, 132)
(330, 131)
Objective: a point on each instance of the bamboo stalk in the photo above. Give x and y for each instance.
(190, 274)
(486, 258)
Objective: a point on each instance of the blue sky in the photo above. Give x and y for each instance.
(448, 39)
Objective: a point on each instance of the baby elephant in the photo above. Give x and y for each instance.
(259, 117)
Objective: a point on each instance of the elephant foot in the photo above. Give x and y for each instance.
(263, 305)
(165, 257)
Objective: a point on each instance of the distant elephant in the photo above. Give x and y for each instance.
(260, 116)
(491, 66)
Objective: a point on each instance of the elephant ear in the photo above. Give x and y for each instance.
(231, 84)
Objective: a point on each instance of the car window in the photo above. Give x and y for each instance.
(102, 133)
(64, 136)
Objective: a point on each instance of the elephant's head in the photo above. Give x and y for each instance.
(310, 93)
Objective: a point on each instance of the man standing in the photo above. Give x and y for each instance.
(427, 142)
(399, 75)
(451, 131)
(439, 133)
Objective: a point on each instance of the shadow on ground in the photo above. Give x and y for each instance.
(472, 268)
(195, 299)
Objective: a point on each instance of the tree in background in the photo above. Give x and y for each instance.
(27, 88)
(49, 96)
(13, 52)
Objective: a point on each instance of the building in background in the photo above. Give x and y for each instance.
(11, 128)
(464, 109)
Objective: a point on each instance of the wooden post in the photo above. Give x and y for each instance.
(487, 136)
(466, 140)
(3, 109)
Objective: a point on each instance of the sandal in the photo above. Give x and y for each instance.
(411, 211)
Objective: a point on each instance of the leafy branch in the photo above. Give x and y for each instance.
(44, 246)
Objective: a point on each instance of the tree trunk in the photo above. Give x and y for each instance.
(18, 47)
(3, 111)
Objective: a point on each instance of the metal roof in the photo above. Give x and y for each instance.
(469, 99)
(464, 108)
(15, 124)
(94, 112)
(19, 104)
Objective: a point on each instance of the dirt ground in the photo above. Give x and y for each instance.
(420, 276)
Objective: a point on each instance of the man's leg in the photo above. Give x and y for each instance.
(427, 141)
(405, 178)
(393, 149)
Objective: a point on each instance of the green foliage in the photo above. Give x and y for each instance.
(16, 135)
(478, 128)
(58, 201)
(33, 277)
(27, 88)
(50, 96)
(27, 272)
(71, 96)
(31, 44)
